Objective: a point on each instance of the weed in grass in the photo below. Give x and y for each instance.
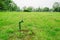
(57, 20)
(57, 29)
(9, 31)
(51, 33)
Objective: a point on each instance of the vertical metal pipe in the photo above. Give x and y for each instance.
(20, 24)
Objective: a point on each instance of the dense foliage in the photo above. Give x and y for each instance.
(56, 7)
(8, 5)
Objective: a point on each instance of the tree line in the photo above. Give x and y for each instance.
(55, 8)
(9, 5)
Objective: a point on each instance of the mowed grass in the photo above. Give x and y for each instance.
(45, 25)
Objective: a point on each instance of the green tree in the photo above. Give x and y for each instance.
(8, 5)
(28, 9)
(4, 4)
(56, 7)
(46, 9)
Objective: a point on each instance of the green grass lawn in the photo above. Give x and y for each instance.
(45, 25)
